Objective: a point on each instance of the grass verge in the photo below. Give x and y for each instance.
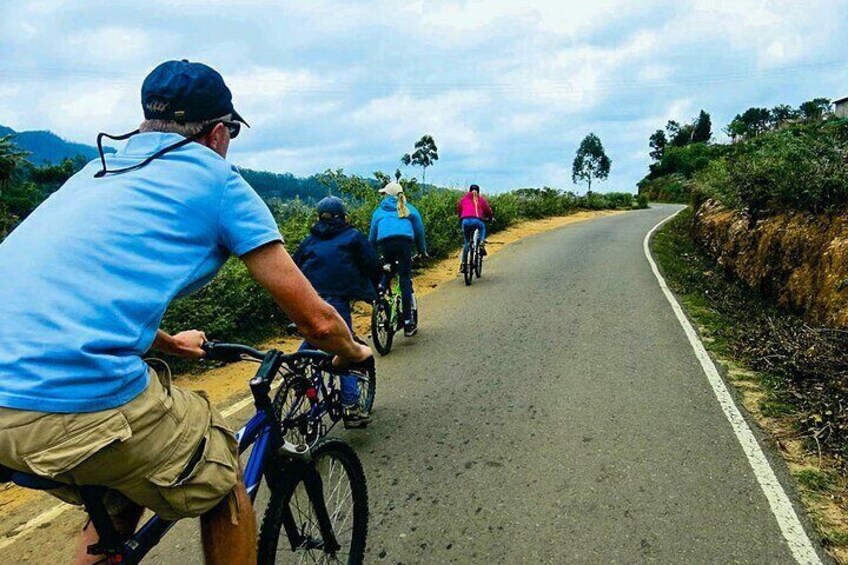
(791, 377)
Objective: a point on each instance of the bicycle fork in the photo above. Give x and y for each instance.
(315, 491)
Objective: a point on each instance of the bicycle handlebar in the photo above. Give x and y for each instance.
(233, 352)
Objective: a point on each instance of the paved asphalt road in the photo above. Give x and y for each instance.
(554, 413)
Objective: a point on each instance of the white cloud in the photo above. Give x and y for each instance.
(112, 44)
(402, 119)
(654, 73)
(302, 161)
(775, 32)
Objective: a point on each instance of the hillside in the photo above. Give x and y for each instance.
(46, 146)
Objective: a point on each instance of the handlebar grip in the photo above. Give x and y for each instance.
(229, 352)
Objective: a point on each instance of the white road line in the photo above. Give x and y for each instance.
(793, 532)
(56, 511)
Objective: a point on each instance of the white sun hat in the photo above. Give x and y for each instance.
(392, 189)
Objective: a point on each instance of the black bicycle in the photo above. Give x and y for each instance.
(318, 494)
(387, 311)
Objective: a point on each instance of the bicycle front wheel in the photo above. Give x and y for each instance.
(321, 508)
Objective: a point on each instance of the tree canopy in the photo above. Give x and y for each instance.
(425, 155)
(591, 162)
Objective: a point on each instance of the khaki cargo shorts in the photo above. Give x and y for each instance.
(168, 450)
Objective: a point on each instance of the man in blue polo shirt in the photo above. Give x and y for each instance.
(86, 280)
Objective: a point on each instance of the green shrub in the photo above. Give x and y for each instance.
(438, 209)
(672, 188)
(802, 168)
(619, 200)
(641, 202)
(594, 201)
(507, 208)
(232, 307)
(687, 160)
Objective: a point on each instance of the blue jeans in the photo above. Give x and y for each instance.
(399, 249)
(350, 386)
(468, 227)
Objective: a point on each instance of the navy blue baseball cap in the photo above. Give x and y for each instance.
(331, 206)
(183, 91)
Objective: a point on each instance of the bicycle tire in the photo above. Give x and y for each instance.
(292, 406)
(478, 259)
(380, 319)
(471, 260)
(288, 496)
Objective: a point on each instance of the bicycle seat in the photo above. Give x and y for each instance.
(27, 480)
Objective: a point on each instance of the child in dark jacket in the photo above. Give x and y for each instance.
(342, 266)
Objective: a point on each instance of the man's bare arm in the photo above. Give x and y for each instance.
(319, 322)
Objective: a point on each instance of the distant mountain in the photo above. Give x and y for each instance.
(47, 146)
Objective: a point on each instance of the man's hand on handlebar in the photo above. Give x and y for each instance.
(361, 354)
(187, 344)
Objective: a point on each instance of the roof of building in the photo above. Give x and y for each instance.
(841, 100)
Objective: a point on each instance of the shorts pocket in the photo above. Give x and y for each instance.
(79, 446)
(195, 485)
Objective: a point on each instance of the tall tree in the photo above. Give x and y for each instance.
(750, 123)
(679, 135)
(425, 155)
(782, 113)
(815, 109)
(591, 162)
(657, 142)
(702, 131)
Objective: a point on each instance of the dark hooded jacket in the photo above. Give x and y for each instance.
(339, 261)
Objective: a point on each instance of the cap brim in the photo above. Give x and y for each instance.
(236, 117)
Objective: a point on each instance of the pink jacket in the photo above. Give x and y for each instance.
(465, 208)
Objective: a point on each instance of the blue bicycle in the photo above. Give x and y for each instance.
(318, 494)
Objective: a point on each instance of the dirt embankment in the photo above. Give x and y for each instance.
(799, 260)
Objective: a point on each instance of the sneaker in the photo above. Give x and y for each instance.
(355, 417)
(410, 330)
(483, 251)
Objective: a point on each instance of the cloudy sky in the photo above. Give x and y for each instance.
(507, 88)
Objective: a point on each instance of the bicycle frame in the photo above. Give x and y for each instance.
(390, 295)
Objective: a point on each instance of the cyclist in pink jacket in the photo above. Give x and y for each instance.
(472, 209)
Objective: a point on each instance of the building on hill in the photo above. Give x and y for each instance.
(840, 107)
